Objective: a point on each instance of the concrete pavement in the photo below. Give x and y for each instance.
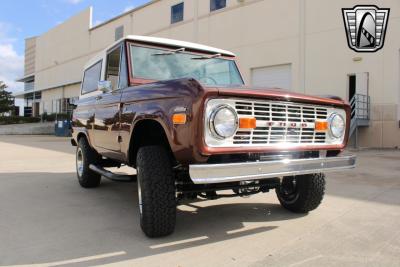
(46, 219)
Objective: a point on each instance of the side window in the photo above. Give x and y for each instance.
(217, 4)
(91, 78)
(112, 70)
(123, 77)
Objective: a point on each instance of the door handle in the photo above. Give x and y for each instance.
(99, 98)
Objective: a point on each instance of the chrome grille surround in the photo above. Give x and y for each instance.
(279, 123)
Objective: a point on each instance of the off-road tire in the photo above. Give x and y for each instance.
(156, 190)
(308, 194)
(86, 177)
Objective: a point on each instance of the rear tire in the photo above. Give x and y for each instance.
(85, 156)
(302, 193)
(156, 190)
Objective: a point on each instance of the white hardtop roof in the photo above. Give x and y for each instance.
(177, 43)
(163, 41)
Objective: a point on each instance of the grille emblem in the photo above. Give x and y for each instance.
(290, 124)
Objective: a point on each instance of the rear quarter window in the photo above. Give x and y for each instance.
(91, 77)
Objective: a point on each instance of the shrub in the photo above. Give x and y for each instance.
(63, 116)
(55, 116)
(48, 117)
(17, 120)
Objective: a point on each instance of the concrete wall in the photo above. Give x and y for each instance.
(30, 56)
(62, 52)
(328, 61)
(308, 34)
(28, 129)
(48, 96)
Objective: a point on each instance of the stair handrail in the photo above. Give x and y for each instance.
(360, 106)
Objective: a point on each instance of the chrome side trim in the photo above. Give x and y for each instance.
(235, 172)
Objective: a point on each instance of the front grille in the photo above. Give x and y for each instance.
(280, 123)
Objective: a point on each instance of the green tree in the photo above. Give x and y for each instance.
(6, 99)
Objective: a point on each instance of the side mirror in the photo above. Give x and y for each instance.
(104, 86)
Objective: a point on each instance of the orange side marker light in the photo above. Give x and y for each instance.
(321, 126)
(247, 123)
(179, 118)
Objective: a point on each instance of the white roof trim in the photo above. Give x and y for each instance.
(165, 41)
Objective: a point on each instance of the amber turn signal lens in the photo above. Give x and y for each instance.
(179, 118)
(321, 126)
(247, 123)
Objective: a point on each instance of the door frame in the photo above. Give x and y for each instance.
(348, 83)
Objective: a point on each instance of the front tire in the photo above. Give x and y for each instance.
(85, 156)
(156, 191)
(302, 193)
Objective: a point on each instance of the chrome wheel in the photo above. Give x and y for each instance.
(79, 161)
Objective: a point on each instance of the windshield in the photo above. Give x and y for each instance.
(160, 64)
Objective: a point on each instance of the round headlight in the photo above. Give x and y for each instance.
(336, 125)
(224, 121)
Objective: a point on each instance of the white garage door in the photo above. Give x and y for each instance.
(279, 76)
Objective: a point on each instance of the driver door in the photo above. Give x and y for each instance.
(108, 107)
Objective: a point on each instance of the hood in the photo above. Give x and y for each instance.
(279, 95)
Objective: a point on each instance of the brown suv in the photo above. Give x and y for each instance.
(180, 114)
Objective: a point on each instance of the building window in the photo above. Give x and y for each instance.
(177, 13)
(56, 106)
(217, 4)
(29, 86)
(119, 33)
(70, 104)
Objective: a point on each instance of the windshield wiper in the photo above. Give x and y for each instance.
(182, 49)
(206, 57)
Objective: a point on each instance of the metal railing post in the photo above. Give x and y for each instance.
(360, 110)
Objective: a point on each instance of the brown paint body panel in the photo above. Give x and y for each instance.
(277, 94)
(106, 122)
(158, 101)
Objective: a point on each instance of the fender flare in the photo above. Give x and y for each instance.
(158, 120)
(78, 133)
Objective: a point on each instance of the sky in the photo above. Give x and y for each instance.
(20, 19)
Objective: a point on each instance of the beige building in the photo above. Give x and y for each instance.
(297, 45)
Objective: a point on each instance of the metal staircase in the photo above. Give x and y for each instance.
(360, 114)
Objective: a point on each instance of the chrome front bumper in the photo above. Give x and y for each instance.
(235, 172)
